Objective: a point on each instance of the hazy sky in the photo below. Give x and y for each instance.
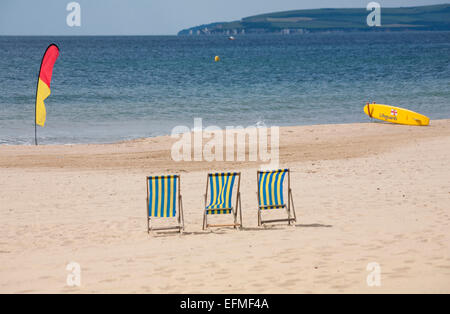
(150, 17)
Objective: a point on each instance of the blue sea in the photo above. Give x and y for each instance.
(108, 89)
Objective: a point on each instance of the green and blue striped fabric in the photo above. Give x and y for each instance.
(162, 196)
(270, 189)
(221, 191)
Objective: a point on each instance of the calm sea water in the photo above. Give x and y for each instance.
(107, 89)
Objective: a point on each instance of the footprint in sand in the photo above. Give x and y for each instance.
(107, 280)
(288, 283)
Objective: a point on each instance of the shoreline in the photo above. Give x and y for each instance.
(124, 141)
(314, 142)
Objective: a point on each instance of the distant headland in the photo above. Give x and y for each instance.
(431, 17)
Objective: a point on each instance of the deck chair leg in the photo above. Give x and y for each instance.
(259, 217)
(289, 207)
(182, 213)
(179, 220)
(204, 213)
(147, 213)
(289, 215)
(182, 217)
(240, 212)
(235, 212)
(293, 207)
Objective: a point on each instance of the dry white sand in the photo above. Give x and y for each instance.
(363, 193)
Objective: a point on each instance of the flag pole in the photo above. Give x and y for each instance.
(35, 122)
(35, 100)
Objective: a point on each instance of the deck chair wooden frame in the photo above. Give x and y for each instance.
(234, 210)
(290, 209)
(178, 206)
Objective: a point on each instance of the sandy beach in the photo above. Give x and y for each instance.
(364, 193)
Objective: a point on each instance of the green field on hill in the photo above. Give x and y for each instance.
(434, 17)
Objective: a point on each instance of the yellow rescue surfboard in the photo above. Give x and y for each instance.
(395, 114)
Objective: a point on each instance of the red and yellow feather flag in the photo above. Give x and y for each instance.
(43, 85)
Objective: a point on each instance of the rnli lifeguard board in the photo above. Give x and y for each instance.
(395, 114)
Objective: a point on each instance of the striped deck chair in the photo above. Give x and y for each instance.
(220, 200)
(163, 193)
(270, 194)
